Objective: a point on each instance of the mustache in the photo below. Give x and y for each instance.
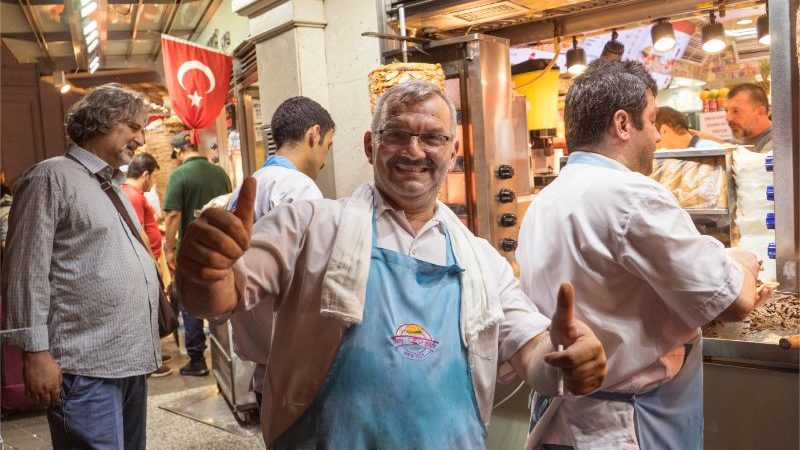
(422, 162)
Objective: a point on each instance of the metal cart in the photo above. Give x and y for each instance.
(232, 374)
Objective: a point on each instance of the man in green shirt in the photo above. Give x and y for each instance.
(190, 187)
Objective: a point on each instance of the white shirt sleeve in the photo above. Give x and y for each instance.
(523, 321)
(689, 271)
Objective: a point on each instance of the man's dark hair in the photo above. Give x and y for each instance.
(673, 118)
(295, 116)
(102, 109)
(603, 89)
(757, 94)
(141, 163)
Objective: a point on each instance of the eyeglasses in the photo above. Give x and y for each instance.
(399, 138)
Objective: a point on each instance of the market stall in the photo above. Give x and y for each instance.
(739, 196)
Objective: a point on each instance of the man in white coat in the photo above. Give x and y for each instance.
(303, 132)
(645, 279)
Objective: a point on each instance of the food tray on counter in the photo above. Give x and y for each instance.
(754, 341)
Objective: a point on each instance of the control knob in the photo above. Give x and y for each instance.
(506, 195)
(505, 172)
(508, 219)
(508, 244)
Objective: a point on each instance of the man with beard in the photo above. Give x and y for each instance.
(646, 279)
(747, 113)
(748, 116)
(80, 290)
(392, 319)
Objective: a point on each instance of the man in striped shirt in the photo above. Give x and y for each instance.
(80, 291)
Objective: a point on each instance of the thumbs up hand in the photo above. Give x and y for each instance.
(583, 361)
(211, 245)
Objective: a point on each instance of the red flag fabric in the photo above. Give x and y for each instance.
(197, 80)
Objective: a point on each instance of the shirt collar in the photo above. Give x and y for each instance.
(755, 140)
(96, 165)
(383, 207)
(193, 158)
(605, 159)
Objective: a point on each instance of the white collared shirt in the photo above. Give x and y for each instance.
(644, 277)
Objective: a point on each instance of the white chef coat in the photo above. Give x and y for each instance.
(644, 280)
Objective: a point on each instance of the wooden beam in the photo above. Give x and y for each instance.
(166, 23)
(213, 5)
(73, 12)
(33, 22)
(57, 36)
(137, 14)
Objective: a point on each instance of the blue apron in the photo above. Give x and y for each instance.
(401, 378)
(670, 416)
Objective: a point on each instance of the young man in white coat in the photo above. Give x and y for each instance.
(303, 132)
(645, 279)
(392, 319)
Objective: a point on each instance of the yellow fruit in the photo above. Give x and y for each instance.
(724, 92)
(714, 93)
(705, 95)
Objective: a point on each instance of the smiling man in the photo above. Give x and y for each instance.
(392, 319)
(80, 291)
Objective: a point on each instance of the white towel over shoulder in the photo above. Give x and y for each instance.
(345, 284)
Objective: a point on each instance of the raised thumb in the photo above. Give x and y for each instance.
(561, 325)
(245, 202)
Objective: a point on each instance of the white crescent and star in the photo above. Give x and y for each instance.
(195, 97)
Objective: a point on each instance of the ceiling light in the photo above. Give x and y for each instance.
(663, 36)
(60, 81)
(89, 8)
(91, 46)
(713, 35)
(762, 30)
(613, 49)
(744, 21)
(576, 58)
(92, 36)
(89, 27)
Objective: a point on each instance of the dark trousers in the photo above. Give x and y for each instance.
(100, 413)
(194, 335)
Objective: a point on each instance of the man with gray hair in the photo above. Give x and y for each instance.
(392, 318)
(79, 287)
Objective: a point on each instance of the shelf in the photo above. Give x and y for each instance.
(707, 211)
(690, 153)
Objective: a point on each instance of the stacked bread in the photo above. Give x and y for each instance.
(389, 75)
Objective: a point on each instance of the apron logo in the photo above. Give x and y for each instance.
(413, 341)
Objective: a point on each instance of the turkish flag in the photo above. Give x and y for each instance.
(197, 80)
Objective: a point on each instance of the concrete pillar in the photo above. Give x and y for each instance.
(314, 48)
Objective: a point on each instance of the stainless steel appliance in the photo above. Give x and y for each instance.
(232, 374)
